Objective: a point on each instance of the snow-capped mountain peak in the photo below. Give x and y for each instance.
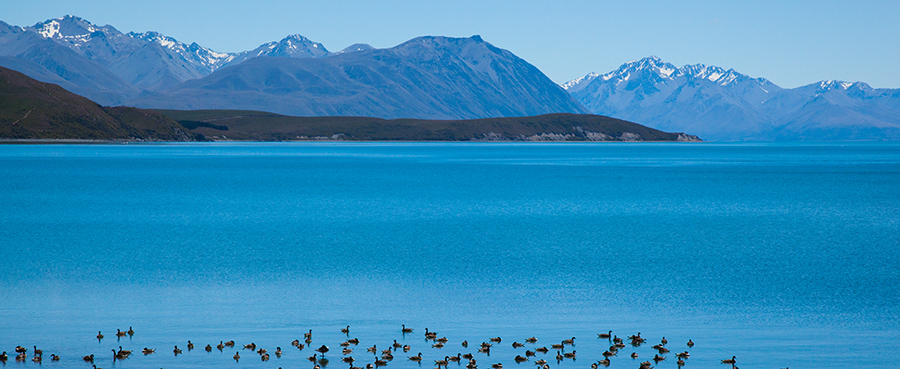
(72, 30)
(195, 54)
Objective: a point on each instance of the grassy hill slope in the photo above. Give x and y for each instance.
(30, 109)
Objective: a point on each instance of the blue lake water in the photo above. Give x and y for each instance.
(784, 255)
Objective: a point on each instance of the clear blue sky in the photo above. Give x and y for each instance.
(790, 42)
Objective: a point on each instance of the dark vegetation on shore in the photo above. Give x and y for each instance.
(261, 126)
(34, 110)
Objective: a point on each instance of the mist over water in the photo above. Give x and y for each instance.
(780, 254)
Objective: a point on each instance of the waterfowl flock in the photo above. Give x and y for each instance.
(565, 351)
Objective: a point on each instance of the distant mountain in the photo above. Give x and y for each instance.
(719, 104)
(293, 46)
(31, 109)
(426, 77)
(149, 61)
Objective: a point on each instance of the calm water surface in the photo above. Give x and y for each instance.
(781, 254)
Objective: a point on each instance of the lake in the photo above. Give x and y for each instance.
(783, 255)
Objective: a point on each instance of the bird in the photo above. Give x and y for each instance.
(416, 357)
(604, 362)
(379, 363)
(438, 345)
(312, 358)
(354, 341)
(444, 362)
(680, 362)
(520, 358)
(540, 362)
(406, 348)
(557, 346)
(148, 351)
(87, 358)
(278, 351)
(118, 355)
(251, 346)
(497, 366)
(403, 329)
(454, 358)
(604, 335)
(176, 350)
(208, 348)
(690, 343)
(517, 345)
(295, 343)
(634, 355)
(348, 359)
(683, 355)
(559, 356)
(38, 352)
(496, 339)
(220, 346)
(658, 358)
(130, 331)
(229, 344)
(430, 334)
(191, 345)
(730, 361)
(323, 349)
(99, 335)
(346, 330)
(261, 351)
(664, 340)
(529, 353)
(531, 340)
(388, 356)
(542, 350)
(4, 357)
(95, 367)
(237, 356)
(54, 357)
(467, 356)
(125, 352)
(264, 357)
(21, 350)
(374, 348)
(570, 355)
(37, 359)
(396, 344)
(308, 334)
(347, 351)
(569, 341)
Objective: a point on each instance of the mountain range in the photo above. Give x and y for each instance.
(725, 105)
(434, 78)
(426, 77)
